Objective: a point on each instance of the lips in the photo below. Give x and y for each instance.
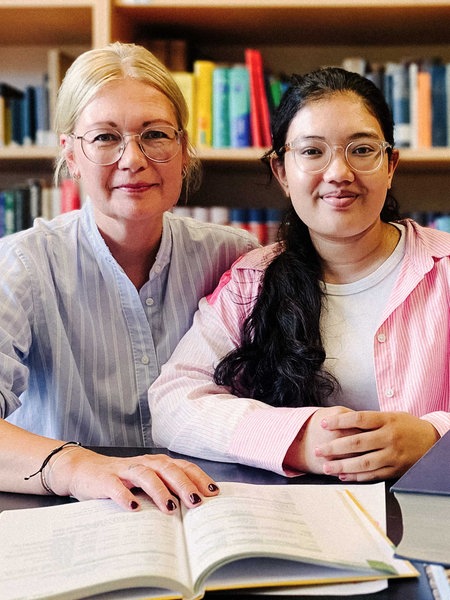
(339, 200)
(140, 186)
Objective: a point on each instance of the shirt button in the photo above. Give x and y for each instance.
(381, 337)
(389, 393)
(149, 302)
(145, 359)
(157, 268)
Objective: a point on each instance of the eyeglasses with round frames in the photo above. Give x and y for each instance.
(315, 155)
(106, 146)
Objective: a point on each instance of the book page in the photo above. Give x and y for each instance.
(93, 545)
(313, 524)
(372, 497)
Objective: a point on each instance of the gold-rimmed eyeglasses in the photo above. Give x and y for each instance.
(106, 146)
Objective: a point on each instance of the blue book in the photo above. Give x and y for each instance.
(22, 219)
(239, 218)
(442, 222)
(29, 116)
(7, 94)
(220, 107)
(16, 120)
(401, 104)
(239, 107)
(438, 105)
(423, 494)
(387, 82)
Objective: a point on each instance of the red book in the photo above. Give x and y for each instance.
(263, 111)
(259, 105)
(70, 195)
(255, 131)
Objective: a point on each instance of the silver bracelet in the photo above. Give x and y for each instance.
(44, 478)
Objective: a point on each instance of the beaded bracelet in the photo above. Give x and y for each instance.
(40, 471)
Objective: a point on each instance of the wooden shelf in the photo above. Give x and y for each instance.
(426, 158)
(55, 22)
(49, 23)
(297, 22)
(436, 159)
(24, 153)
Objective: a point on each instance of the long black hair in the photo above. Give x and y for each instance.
(281, 354)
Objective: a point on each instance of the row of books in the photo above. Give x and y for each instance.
(434, 219)
(21, 204)
(26, 115)
(231, 105)
(418, 92)
(262, 222)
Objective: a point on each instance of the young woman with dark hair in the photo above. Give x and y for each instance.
(312, 354)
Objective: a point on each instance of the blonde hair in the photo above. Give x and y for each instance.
(94, 69)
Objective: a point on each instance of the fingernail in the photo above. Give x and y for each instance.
(134, 505)
(171, 505)
(212, 487)
(317, 451)
(324, 423)
(195, 498)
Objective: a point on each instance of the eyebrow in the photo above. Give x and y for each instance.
(144, 125)
(355, 136)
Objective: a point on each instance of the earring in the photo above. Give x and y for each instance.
(76, 177)
(184, 172)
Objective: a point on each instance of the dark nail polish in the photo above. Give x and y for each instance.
(212, 487)
(171, 505)
(195, 498)
(134, 505)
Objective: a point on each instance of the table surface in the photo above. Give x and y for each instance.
(408, 589)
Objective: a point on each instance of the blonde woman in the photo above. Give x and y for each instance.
(95, 301)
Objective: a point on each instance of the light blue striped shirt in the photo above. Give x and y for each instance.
(79, 345)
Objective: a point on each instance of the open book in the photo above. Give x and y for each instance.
(247, 537)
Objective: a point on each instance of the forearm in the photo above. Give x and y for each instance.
(192, 415)
(21, 454)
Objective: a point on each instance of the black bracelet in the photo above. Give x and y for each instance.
(47, 460)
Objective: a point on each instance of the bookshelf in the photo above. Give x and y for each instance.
(293, 35)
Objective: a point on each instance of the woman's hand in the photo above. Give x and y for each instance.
(302, 454)
(84, 474)
(383, 445)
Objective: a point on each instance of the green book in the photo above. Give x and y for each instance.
(220, 107)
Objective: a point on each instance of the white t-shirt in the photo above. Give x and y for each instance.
(349, 321)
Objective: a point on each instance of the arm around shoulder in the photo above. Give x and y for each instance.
(193, 415)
